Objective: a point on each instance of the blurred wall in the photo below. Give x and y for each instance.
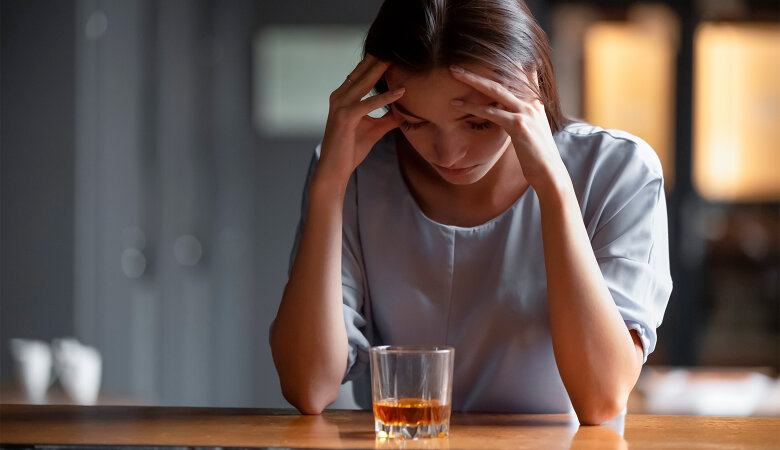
(141, 212)
(184, 214)
(36, 171)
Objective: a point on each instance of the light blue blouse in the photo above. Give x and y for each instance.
(408, 279)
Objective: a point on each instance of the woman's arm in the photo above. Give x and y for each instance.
(598, 359)
(309, 338)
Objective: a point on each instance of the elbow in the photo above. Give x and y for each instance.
(310, 379)
(310, 400)
(600, 411)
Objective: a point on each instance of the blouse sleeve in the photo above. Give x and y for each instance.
(351, 273)
(630, 237)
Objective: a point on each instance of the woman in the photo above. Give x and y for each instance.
(473, 214)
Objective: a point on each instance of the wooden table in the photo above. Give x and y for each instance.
(231, 427)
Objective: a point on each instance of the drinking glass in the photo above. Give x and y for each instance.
(411, 388)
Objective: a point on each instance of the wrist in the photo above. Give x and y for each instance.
(325, 182)
(552, 184)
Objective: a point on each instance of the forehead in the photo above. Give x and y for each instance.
(433, 88)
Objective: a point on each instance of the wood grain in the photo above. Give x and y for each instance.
(145, 425)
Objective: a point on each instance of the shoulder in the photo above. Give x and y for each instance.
(607, 145)
(609, 169)
(589, 147)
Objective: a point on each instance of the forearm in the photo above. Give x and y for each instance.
(595, 353)
(309, 340)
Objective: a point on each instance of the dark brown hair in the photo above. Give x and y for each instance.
(502, 35)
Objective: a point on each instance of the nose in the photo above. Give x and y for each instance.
(450, 148)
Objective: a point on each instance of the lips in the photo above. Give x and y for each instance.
(454, 171)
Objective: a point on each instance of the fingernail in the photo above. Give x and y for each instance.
(457, 69)
(399, 91)
(456, 102)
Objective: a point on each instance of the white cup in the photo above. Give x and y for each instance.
(33, 363)
(79, 369)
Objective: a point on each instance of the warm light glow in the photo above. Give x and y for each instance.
(629, 83)
(736, 154)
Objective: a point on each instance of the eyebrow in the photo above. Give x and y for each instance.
(406, 112)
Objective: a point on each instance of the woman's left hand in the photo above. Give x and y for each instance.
(523, 119)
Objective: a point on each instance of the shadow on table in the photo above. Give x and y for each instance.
(505, 420)
(102, 413)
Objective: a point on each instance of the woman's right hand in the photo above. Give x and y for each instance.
(350, 132)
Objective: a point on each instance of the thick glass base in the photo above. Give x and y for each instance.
(431, 430)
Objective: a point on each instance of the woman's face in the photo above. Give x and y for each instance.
(462, 149)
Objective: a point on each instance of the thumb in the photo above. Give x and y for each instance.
(378, 127)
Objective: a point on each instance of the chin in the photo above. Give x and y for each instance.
(465, 179)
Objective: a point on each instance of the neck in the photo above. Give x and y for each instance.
(500, 186)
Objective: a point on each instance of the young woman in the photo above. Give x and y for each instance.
(474, 215)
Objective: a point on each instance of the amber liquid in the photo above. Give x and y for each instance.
(411, 411)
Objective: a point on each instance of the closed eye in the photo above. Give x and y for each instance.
(406, 125)
(481, 125)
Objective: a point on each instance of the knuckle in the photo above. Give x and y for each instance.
(333, 98)
(341, 113)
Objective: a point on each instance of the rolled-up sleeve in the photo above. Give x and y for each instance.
(353, 286)
(631, 241)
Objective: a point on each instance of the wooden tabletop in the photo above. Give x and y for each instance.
(232, 427)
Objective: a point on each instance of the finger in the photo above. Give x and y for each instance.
(364, 64)
(378, 101)
(363, 84)
(500, 117)
(488, 87)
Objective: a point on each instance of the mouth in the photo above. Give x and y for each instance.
(460, 171)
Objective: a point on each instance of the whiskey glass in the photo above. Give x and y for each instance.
(411, 388)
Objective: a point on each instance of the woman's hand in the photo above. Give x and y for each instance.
(523, 119)
(350, 133)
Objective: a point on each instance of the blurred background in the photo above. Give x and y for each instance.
(153, 155)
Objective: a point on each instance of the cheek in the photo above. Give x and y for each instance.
(420, 141)
(488, 142)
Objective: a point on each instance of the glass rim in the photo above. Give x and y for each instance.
(412, 349)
